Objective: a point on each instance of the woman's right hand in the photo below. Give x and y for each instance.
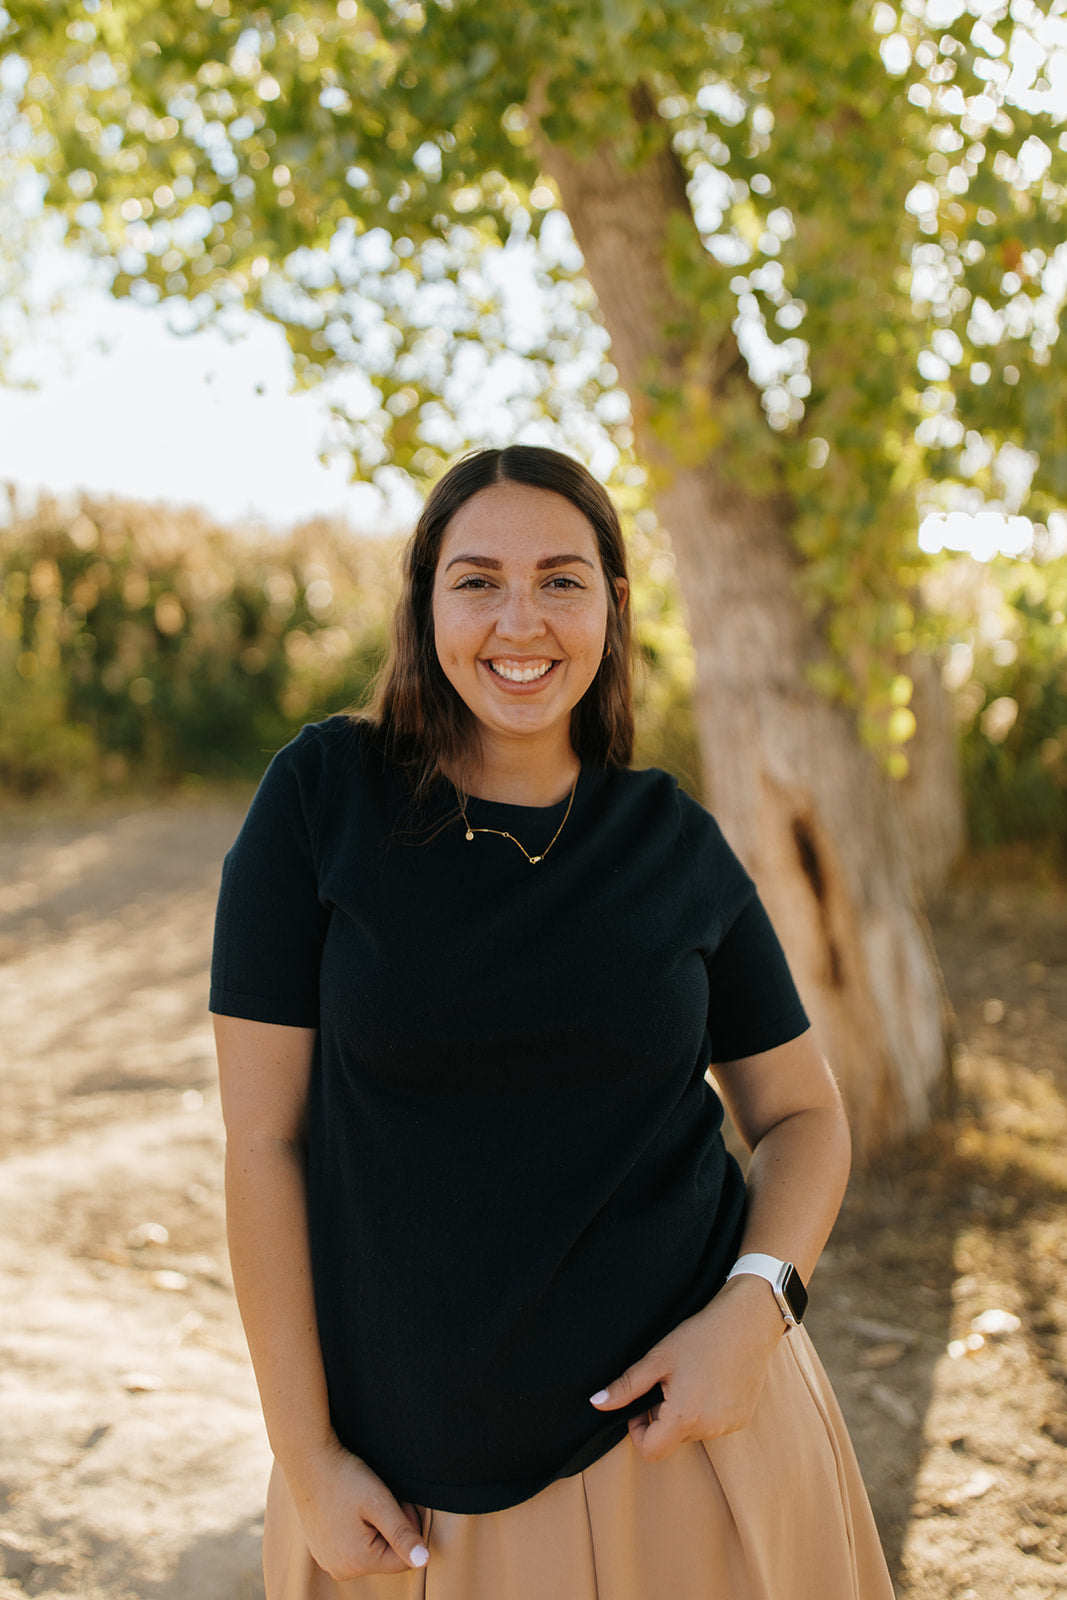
(351, 1522)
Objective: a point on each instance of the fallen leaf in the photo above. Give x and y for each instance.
(995, 1323)
(140, 1382)
(147, 1233)
(882, 1332)
(894, 1405)
(883, 1355)
(165, 1278)
(978, 1484)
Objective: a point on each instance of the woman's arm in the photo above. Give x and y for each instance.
(352, 1523)
(787, 1109)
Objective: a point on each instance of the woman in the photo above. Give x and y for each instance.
(469, 973)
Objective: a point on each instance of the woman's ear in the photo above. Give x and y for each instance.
(622, 593)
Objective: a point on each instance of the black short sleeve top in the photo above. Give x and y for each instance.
(516, 1176)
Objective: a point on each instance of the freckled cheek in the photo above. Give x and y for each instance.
(455, 643)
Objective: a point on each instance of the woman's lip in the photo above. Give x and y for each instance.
(510, 684)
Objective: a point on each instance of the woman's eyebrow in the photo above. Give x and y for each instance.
(563, 561)
(495, 565)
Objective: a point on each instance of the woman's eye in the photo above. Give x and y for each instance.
(474, 582)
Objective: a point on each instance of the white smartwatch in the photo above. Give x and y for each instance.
(784, 1279)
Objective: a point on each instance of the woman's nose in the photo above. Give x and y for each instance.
(519, 616)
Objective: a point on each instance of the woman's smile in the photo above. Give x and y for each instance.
(520, 674)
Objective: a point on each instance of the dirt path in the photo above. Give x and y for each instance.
(132, 1457)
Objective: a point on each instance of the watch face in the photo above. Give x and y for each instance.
(794, 1293)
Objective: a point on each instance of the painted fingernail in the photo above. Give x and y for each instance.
(419, 1556)
(598, 1398)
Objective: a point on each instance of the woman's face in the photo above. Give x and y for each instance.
(520, 611)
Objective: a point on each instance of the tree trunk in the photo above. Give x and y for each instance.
(802, 802)
(931, 795)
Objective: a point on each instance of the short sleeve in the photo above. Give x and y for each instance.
(270, 923)
(754, 1004)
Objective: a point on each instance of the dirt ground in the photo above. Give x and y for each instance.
(132, 1458)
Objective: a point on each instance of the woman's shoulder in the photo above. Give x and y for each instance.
(653, 786)
(337, 740)
(646, 781)
(664, 799)
(324, 759)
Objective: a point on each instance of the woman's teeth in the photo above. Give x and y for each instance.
(520, 674)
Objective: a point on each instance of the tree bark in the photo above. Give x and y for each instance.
(801, 800)
(931, 795)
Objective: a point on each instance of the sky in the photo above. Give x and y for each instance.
(122, 406)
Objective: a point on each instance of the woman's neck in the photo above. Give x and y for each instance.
(516, 774)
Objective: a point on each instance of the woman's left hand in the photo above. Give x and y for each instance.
(711, 1370)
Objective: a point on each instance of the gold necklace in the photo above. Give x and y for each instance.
(502, 833)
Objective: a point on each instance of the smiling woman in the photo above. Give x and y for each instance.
(516, 1316)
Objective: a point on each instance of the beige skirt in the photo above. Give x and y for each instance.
(775, 1512)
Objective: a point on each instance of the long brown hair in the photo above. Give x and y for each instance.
(421, 718)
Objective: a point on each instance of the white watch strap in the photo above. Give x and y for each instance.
(759, 1265)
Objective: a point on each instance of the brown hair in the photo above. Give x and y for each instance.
(422, 719)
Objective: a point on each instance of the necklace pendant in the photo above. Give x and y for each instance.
(502, 833)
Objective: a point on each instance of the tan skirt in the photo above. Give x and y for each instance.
(775, 1512)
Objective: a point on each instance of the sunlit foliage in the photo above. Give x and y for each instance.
(876, 211)
(1006, 668)
(141, 644)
